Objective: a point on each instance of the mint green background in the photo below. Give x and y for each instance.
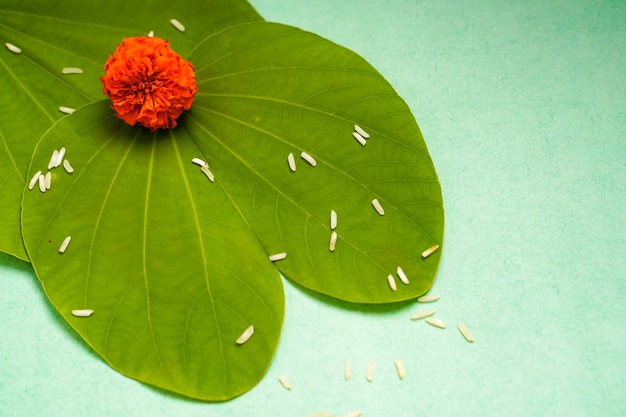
(523, 107)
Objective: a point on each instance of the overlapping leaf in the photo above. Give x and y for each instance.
(58, 34)
(171, 269)
(267, 90)
(176, 266)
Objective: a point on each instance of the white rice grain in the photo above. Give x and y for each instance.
(285, 382)
(179, 26)
(348, 370)
(466, 333)
(53, 159)
(353, 414)
(67, 166)
(400, 368)
(34, 180)
(291, 160)
(436, 323)
(359, 138)
(428, 298)
(60, 157)
(309, 159)
(48, 180)
(402, 276)
(151, 34)
(66, 110)
(278, 256)
(65, 244)
(429, 251)
(378, 207)
(13, 48)
(333, 241)
(82, 313)
(322, 414)
(333, 220)
(72, 70)
(198, 162)
(371, 367)
(423, 314)
(42, 183)
(247, 334)
(392, 282)
(207, 171)
(361, 132)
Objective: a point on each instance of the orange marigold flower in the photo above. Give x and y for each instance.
(148, 83)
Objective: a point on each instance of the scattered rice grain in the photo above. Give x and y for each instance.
(207, 171)
(67, 166)
(34, 180)
(151, 34)
(13, 48)
(245, 335)
(65, 243)
(198, 161)
(379, 209)
(285, 382)
(423, 314)
(429, 251)
(402, 276)
(291, 160)
(392, 282)
(436, 323)
(309, 159)
(428, 298)
(466, 333)
(348, 370)
(53, 159)
(82, 313)
(72, 70)
(353, 414)
(42, 183)
(179, 26)
(322, 414)
(359, 138)
(371, 367)
(361, 132)
(278, 256)
(48, 180)
(333, 220)
(66, 110)
(400, 368)
(60, 157)
(333, 241)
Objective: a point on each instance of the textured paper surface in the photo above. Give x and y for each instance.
(522, 108)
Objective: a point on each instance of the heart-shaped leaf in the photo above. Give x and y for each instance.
(172, 270)
(268, 90)
(176, 266)
(59, 34)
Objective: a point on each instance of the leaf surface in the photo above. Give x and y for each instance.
(58, 34)
(162, 255)
(267, 90)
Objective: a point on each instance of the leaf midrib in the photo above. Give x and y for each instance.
(203, 255)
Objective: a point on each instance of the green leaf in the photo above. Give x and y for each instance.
(267, 90)
(54, 35)
(176, 266)
(172, 270)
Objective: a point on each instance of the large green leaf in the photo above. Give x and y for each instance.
(176, 266)
(163, 257)
(58, 34)
(267, 90)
